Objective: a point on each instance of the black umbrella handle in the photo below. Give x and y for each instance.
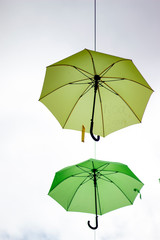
(91, 132)
(96, 78)
(95, 194)
(94, 228)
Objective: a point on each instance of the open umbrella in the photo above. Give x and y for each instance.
(89, 85)
(95, 186)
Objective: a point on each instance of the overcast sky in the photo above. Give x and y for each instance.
(35, 34)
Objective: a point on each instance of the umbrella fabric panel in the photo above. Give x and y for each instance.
(59, 76)
(107, 167)
(116, 167)
(92, 163)
(122, 183)
(64, 192)
(81, 115)
(116, 113)
(125, 69)
(87, 63)
(74, 68)
(84, 199)
(102, 61)
(62, 104)
(110, 197)
(133, 95)
(66, 173)
(81, 60)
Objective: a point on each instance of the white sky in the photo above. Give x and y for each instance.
(34, 34)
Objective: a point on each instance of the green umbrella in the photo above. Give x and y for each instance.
(89, 85)
(95, 186)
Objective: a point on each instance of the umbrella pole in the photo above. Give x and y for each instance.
(96, 78)
(95, 194)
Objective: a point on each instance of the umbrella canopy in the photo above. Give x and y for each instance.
(97, 87)
(95, 186)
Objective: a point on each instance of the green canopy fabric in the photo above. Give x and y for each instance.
(119, 90)
(95, 186)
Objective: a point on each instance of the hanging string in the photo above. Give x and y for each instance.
(95, 149)
(95, 33)
(95, 235)
(95, 25)
(95, 50)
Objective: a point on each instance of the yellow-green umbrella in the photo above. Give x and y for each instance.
(92, 86)
(95, 186)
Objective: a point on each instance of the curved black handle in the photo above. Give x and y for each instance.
(94, 228)
(91, 132)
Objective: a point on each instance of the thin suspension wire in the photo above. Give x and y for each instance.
(95, 33)
(95, 149)
(95, 20)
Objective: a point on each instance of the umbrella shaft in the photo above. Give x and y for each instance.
(94, 101)
(95, 192)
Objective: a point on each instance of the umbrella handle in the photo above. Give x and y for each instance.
(94, 228)
(91, 132)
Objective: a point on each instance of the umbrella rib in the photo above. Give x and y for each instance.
(78, 83)
(81, 71)
(124, 174)
(70, 83)
(117, 187)
(125, 79)
(89, 88)
(83, 169)
(83, 182)
(124, 101)
(113, 79)
(68, 65)
(85, 91)
(92, 61)
(92, 164)
(111, 173)
(74, 175)
(102, 85)
(75, 193)
(109, 67)
(105, 164)
(78, 175)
